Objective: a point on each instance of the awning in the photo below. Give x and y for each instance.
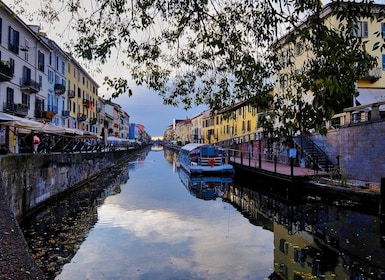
(18, 122)
(27, 124)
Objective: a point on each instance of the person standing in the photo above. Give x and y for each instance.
(36, 141)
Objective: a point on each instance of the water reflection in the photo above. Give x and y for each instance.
(315, 239)
(55, 233)
(205, 187)
(155, 229)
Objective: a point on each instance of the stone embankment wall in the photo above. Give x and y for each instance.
(360, 149)
(31, 179)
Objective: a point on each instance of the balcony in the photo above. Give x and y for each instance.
(6, 73)
(47, 113)
(65, 113)
(373, 75)
(20, 110)
(71, 94)
(93, 121)
(29, 86)
(87, 103)
(59, 89)
(82, 117)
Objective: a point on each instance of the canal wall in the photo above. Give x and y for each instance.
(27, 181)
(31, 179)
(359, 150)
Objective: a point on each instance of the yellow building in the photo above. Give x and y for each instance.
(82, 98)
(370, 86)
(208, 128)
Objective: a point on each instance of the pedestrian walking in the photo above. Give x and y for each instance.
(36, 141)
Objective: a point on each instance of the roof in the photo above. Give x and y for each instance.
(192, 146)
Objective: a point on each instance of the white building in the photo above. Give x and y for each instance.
(23, 71)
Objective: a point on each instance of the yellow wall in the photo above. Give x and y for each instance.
(78, 79)
(291, 51)
(239, 124)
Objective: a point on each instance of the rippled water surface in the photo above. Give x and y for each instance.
(156, 229)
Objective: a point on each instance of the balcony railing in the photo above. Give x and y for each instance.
(87, 103)
(43, 114)
(93, 121)
(29, 86)
(373, 75)
(16, 109)
(71, 93)
(82, 117)
(59, 89)
(6, 73)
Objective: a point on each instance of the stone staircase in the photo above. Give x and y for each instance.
(314, 155)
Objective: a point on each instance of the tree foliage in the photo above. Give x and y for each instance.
(219, 52)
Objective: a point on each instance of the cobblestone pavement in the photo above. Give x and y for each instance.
(15, 260)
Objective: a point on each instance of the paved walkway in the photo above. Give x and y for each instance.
(16, 263)
(277, 169)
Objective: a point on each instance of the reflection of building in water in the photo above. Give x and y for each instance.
(55, 233)
(170, 155)
(313, 239)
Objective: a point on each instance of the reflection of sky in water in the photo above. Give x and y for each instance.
(155, 229)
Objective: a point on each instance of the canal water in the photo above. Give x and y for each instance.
(148, 220)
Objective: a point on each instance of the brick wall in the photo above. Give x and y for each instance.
(361, 150)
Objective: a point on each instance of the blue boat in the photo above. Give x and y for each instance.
(204, 159)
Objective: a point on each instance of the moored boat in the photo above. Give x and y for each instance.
(203, 158)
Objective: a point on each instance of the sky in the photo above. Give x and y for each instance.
(144, 107)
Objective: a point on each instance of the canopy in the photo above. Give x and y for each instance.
(23, 123)
(19, 122)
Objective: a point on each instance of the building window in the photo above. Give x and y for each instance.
(25, 99)
(298, 49)
(13, 40)
(1, 30)
(283, 246)
(26, 75)
(12, 64)
(10, 95)
(25, 49)
(50, 76)
(383, 62)
(383, 30)
(40, 61)
(361, 29)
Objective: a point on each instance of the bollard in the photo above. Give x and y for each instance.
(275, 163)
